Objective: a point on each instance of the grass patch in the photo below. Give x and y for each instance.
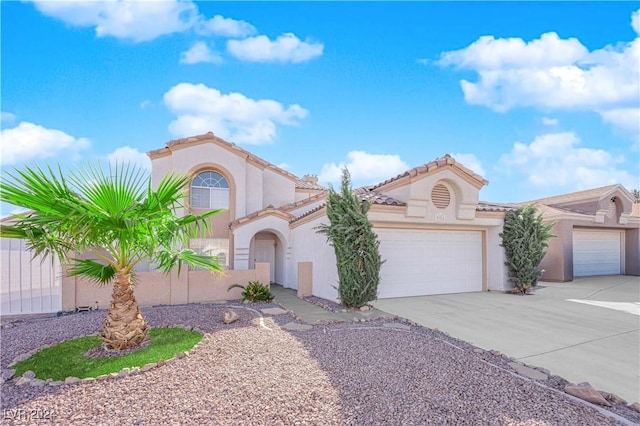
(67, 358)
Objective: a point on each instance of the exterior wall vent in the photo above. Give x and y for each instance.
(440, 196)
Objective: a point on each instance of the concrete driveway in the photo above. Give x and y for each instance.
(585, 330)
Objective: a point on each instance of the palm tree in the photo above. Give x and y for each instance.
(114, 221)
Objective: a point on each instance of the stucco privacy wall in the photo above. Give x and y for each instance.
(309, 246)
(155, 288)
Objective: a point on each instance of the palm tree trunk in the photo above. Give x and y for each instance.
(125, 327)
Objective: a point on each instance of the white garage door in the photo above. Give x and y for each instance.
(596, 252)
(429, 262)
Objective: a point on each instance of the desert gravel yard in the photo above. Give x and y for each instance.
(253, 372)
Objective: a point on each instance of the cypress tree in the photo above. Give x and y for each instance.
(355, 243)
(524, 238)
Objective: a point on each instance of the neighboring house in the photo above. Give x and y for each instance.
(435, 235)
(597, 233)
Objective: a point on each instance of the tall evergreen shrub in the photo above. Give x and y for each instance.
(356, 245)
(524, 239)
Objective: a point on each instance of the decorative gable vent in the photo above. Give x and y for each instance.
(440, 196)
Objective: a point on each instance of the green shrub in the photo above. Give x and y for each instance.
(355, 243)
(524, 239)
(255, 291)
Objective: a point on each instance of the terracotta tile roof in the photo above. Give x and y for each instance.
(588, 194)
(484, 206)
(366, 194)
(269, 210)
(363, 193)
(300, 183)
(308, 200)
(308, 213)
(441, 162)
(305, 184)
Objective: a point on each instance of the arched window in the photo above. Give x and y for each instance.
(210, 190)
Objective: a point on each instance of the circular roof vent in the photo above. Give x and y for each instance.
(440, 196)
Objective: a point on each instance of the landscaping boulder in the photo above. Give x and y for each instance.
(586, 392)
(229, 316)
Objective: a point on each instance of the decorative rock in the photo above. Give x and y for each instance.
(229, 316)
(294, 326)
(478, 350)
(148, 367)
(396, 325)
(528, 372)
(585, 391)
(613, 398)
(21, 357)
(180, 355)
(114, 375)
(125, 371)
(71, 380)
(37, 383)
(88, 379)
(55, 383)
(103, 377)
(161, 362)
(29, 374)
(365, 308)
(273, 311)
(22, 381)
(635, 407)
(8, 374)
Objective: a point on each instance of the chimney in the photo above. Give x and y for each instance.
(310, 178)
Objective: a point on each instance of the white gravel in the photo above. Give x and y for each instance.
(252, 372)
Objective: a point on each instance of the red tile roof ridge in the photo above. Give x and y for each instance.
(446, 160)
(233, 147)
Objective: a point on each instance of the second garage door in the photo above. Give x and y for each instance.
(596, 252)
(429, 262)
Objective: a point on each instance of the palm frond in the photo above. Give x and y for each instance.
(95, 271)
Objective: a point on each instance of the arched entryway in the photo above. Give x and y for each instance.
(267, 247)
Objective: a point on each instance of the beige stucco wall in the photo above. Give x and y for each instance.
(155, 288)
(277, 190)
(309, 246)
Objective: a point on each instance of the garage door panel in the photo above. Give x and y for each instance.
(429, 262)
(596, 252)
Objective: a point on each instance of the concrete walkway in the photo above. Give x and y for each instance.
(312, 314)
(585, 330)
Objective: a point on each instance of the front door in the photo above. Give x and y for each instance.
(265, 252)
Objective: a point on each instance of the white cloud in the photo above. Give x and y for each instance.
(28, 141)
(7, 117)
(364, 167)
(470, 161)
(548, 121)
(286, 48)
(225, 27)
(550, 73)
(128, 155)
(626, 120)
(200, 52)
(133, 20)
(231, 116)
(635, 21)
(555, 161)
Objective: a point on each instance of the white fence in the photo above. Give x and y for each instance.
(28, 285)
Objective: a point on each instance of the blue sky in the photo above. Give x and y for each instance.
(540, 98)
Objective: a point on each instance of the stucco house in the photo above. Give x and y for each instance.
(435, 234)
(597, 233)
